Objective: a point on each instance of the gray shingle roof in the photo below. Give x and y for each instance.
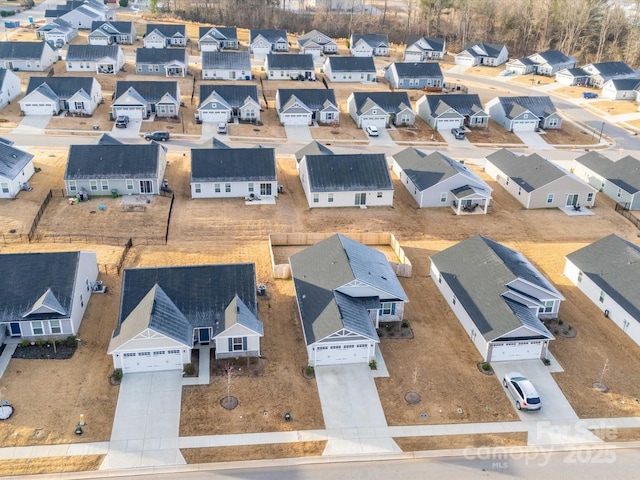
(63, 87)
(314, 98)
(312, 148)
(12, 161)
(574, 72)
(390, 102)
(227, 60)
(272, 36)
(529, 172)
(237, 313)
(624, 173)
(288, 61)
(22, 50)
(312, 37)
(106, 139)
(233, 165)
(482, 48)
(609, 69)
(372, 39)
(352, 64)
(91, 53)
(554, 57)
(161, 56)
(426, 44)
(150, 90)
(219, 33)
(57, 24)
(418, 69)
(540, 106)
(625, 83)
(346, 173)
(464, 104)
(168, 29)
(112, 161)
(112, 27)
(234, 95)
(595, 161)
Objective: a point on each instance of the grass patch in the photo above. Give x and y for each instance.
(33, 466)
(446, 442)
(253, 452)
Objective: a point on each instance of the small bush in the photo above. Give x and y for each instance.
(555, 331)
(123, 3)
(546, 361)
(41, 342)
(373, 365)
(405, 324)
(71, 341)
(25, 343)
(308, 370)
(117, 374)
(560, 322)
(485, 367)
(189, 369)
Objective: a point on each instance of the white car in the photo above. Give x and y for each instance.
(222, 127)
(372, 131)
(523, 391)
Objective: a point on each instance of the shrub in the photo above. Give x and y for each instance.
(25, 343)
(41, 342)
(560, 322)
(308, 370)
(189, 369)
(485, 367)
(123, 3)
(546, 361)
(373, 365)
(117, 374)
(405, 324)
(71, 341)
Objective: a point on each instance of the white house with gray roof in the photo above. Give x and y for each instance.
(344, 289)
(608, 273)
(215, 39)
(380, 109)
(369, 44)
(436, 180)
(293, 66)
(312, 148)
(139, 99)
(167, 62)
(499, 298)
(45, 295)
(351, 180)
(618, 180)
(481, 53)
(226, 65)
(10, 86)
(414, 75)
(27, 56)
(90, 11)
(538, 183)
(350, 69)
(109, 33)
(600, 73)
(621, 89)
(52, 95)
(304, 106)
(317, 43)
(262, 42)
(166, 312)
(224, 103)
(163, 35)
(58, 32)
(546, 63)
(524, 114)
(16, 168)
(572, 76)
(422, 49)
(101, 59)
(444, 112)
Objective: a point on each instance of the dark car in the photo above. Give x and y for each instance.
(589, 95)
(122, 121)
(158, 136)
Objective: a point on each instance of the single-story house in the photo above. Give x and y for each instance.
(414, 74)
(499, 298)
(380, 109)
(51, 95)
(621, 88)
(262, 42)
(27, 56)
(101, 59)
(83, 16)
(214, 39)
(360, 179)
(226, 66)
(108, 33)
(289, 65)
(608, 273)
(343, 290)
(57, 32)
(538, 183)
(169, 62)
(436, 180)
(162, 35)
(618, 180)
(524, 114)
(45, 295)
(303, 106)
(547, 63)
(350, 69)
(572, 76)
(127, 169)
(317, 43)
(600, 73)
(369, 44)
(138, 99)
(10, 86)
(422, 49)
(16, 168)
(312, 148)
(480, 53)
(233, 173)
(166, 312)
(444, 112)
(223, 103)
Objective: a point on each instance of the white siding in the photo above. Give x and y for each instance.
(87, 270)
(238, 189)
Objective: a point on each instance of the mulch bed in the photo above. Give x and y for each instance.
(240, 367)
(395, 330)
(45, 352)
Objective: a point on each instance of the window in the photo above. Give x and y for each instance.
(330, 115)
(37, 328)
(216, 187)
(330, 197)
(93, 185)
(227, 188)
(139, 68)
(81, 301)
(158, 352)
(443, 197)
(173, 352)
(579, 277)
(55, 326)
(104, 184)
(250, 187)
(602, 295)
(387, 308)
(5, 187)
(129, 354)
(547, 308)
(619, 193)
(87, 282)
(550, 198)
(316, 198)
(506, 182)
(72, 186)
(129, 184)
(237, 344)
(519, 190)
(439, 278)
(454, 300)
(589, 197)
(198, 188)
(553, 122)
(144, 354)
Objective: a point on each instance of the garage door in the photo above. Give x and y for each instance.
(524, 350)
(448, 123)
(525, 126)
(134, 113)
(342, 353)
(151, 361)
(296, 119)
(214, 116)
(380, 122)
(38, 108)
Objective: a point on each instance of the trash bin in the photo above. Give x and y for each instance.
(110, 115)
(114, 193)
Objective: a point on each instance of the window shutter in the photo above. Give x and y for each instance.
(244, 343)
(393, 309)
(230, 344)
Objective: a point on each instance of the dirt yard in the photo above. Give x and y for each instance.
(573, 91)
(532, 80)
(417, 444)
(570, 134)
(614, 107)
(420, 132)
(494, 133)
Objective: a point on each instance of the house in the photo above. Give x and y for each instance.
(350, 69)
(16, 168)
(621, 88)
(524, 114)
(166, 312)
(233, 173)
(317, 43)
(215, 39)
(572, 76)
(90, 11)
(422, 49)
(226, 66)
(359, 180)
(600, 73)
(344, 289)
(128, 169)
(224, 103)
(380, 109)
(538, 183)
(58, 32)
(27, 56)
(547, 63)
(289, 65)
(369, 44)
(435, 180)
(311, 148)
(444, 112)
(52, 95)
(499, 298)
(101, 59)
(480, 53)
(169, 62)
(10, 87)
(608, 273)
(262, 42)
(108, 33)
(618, 180)
(45, 295)
(139, 99)
(163, 35)
(106, 139)
(304, 106)
(414, 75)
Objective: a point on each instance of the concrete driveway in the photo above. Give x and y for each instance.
(383, 138)
(353, 415)
(298, 134)
(453, 141)
(534, 140)
(33, 124)
(132, 130)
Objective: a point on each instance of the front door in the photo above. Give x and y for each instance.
(146, 186)
(15, 329)
(233, 74)
(361, 198)
(204, 336)
(265, 189)
(572, 200)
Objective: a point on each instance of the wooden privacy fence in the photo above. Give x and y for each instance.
(402, 268)
(623, 209)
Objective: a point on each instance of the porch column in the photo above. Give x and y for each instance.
(486, 205)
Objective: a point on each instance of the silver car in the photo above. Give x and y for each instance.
(523, 391)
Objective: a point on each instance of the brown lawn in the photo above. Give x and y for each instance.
(494, 133)
(614, 107)
(420, 132)
(572, 91)
(533, 80)
(570, 134)
(446, 442)
(252, 452)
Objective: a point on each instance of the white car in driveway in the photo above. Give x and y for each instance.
(523, 391)
(372, 131)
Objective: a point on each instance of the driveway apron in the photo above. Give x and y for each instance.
(33, 124)
(534, 140)
(298, 134)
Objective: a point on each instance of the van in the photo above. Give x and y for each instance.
(458, 133)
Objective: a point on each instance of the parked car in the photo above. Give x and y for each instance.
(158, 136)
(372, 131)
(222, 127)
(458, 133)
(589, 95)
(523, 391)
(122, 121)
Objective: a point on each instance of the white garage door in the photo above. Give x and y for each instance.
(342, 353)
(214, 116)
(412, 57)
(38, 108)
(151, 361)
(296, 119)
(523, 350)
(447, 123)
(528, 126)
(134, 113)
(380, 122)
